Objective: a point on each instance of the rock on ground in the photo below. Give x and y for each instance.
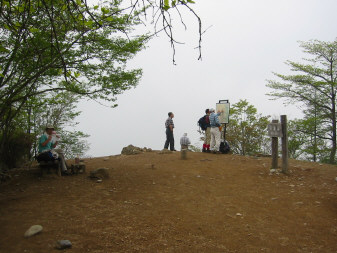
(165, 151)
(63, 244)
(100, 173)
(132, 150)
(33, 230)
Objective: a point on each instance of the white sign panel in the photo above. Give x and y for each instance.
(275, 130)
(224, 116)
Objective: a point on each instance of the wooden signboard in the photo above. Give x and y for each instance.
(223, 106)
(275, 130)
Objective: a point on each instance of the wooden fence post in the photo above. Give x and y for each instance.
(274, 149)
(284, 144)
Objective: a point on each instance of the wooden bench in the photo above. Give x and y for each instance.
(48, 165)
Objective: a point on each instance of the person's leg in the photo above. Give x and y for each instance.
(208, 138)
(204, 146)
(171, 141)
(212, 139)
(217, 135)
(44, 157)
(62, 159)
(167, 142)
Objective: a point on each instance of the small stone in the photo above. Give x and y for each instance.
(99, 181)
(336, 179)
(100, 173)
(63, 244)
(33, 230)
(238, 214)
(298, 203)
(149, 166)
(291, 185)
(272, 170)
(106, 159)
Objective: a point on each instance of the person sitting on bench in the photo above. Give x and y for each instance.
(47, 152)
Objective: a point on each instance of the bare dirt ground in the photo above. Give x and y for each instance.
(208, 203)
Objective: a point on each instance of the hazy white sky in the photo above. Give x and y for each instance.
(246, 42)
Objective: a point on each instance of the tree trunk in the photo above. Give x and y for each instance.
(334, 128)
(333, 139)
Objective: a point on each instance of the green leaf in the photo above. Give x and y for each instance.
(3, 49)
(104, 10)
(34, 30)
(166, 5)
(89, 23)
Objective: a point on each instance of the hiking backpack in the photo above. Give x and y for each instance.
(224, 147)
(202, 123)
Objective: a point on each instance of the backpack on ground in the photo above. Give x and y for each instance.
(202, 123)
(224, 147)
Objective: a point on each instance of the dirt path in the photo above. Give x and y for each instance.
(208, 203)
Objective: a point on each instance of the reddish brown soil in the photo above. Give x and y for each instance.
(178, 206)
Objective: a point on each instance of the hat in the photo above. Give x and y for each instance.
(211, 110)
(49, 127)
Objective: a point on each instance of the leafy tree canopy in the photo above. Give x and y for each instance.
(314, 85)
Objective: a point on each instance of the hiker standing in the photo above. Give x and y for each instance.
(215, 131)
(169, 125)
(207, 128)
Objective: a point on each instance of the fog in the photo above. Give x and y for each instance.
(244, 43)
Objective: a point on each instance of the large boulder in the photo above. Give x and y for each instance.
(132, 150)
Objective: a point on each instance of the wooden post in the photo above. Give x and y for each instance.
(183, 154)
(274, 149)
(284, 144)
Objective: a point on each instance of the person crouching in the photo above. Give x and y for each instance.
(184, 142)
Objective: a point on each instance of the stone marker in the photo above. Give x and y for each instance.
(33, 230)
(63, 244)
(183, 154)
